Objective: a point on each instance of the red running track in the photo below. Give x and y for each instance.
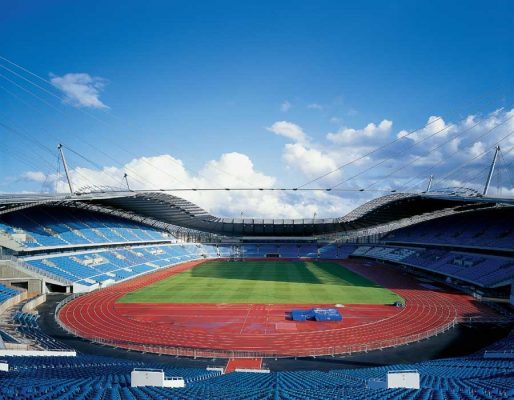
(261, 330)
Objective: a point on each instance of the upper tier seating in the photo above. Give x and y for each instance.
(487, 229)
(60, 226)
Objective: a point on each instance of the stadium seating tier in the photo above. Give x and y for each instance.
(58, 226)
(95, 377)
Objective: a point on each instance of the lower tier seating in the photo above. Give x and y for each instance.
(94, 377)
(27, 325)
(91, 267)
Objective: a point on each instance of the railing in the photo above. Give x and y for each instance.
(61, 304)
(36, 270)
(508, 351)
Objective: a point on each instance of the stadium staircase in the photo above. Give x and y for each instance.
(243, 363)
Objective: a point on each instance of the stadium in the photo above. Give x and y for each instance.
(239, 305)
(256, 200)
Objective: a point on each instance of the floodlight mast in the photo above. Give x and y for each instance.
(61, 151)
(491, 171)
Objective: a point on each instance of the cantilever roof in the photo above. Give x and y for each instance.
(177, 211)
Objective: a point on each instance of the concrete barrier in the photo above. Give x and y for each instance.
(12, 301)
(16, 346)
(34, 303)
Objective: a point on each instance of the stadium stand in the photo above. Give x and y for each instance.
(333, 251)
(474, 249)
(58, 226)
(88, 268)
(289, 250)
(94, 377)
(479, 269)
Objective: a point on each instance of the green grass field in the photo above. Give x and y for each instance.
(268, 282)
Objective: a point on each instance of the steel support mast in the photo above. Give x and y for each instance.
(59, 147)
(491, 171)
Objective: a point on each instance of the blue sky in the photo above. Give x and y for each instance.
(203, 84)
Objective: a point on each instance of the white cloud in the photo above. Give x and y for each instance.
(304, 156)
(80, 89)
(315, 106)
(151, 173)
(285, 106)
(310, 161)
(476, 149)
(360, 159)
(434, 126)
(288, 130)
(34, 176)
(356, 136)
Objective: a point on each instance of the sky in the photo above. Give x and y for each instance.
(346, 95)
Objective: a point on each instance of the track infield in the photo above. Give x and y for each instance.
(264, 282)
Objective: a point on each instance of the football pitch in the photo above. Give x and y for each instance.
(264, 282)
